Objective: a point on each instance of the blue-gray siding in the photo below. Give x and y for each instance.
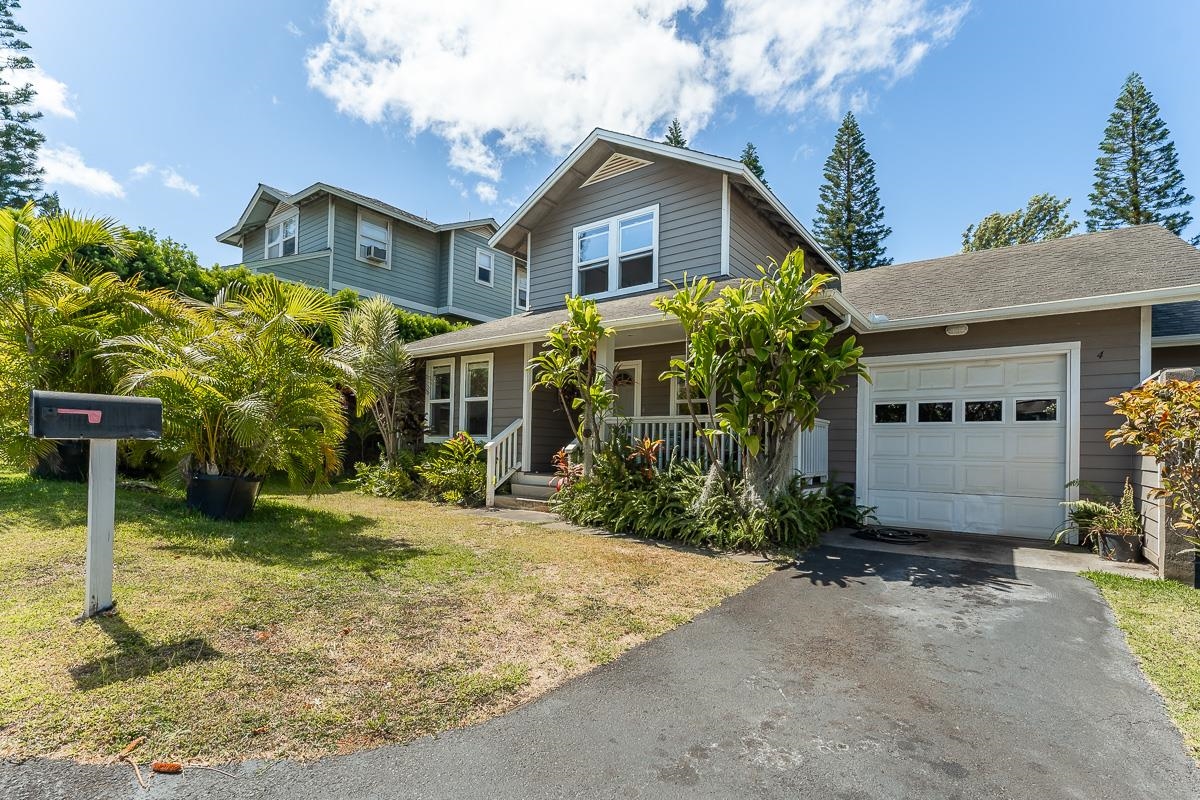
(313, 233)
(752, 240)
(689, 200)
(313, 270)
(469, 294)
(414, 272)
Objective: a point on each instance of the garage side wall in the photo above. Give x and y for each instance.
(1109, 364)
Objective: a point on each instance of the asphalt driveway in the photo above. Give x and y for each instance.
(854, 674)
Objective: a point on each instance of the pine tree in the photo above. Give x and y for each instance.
(20, 175)
(1138, 179)
(675, 134)
(849, 222)
(750, 159)
(1044, 217)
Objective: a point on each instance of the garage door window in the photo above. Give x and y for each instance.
(941, 411)
(888, 413)
(1037, 410)
(983, 411)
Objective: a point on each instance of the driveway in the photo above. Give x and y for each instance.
(853, 674)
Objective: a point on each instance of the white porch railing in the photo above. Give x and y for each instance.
(678, 434)
(503, 458)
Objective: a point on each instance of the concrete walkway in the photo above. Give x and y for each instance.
(851, 674)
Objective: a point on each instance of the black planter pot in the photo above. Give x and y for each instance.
(1116, 547)
(223, 497)
(69, 463)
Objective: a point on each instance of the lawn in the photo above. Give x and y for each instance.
(1161, 621)
(322, 625)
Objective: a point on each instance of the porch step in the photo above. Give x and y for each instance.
(532, 485)
(521, 503)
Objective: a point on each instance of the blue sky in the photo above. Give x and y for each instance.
(167, 115)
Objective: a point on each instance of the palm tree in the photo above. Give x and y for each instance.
(381, 369)
(245, 389)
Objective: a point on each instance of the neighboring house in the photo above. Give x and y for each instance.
(336, 239)
(990, 370)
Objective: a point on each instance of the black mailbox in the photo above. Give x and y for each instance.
(68, 415)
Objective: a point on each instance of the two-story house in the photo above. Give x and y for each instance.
(989, 370)
(336, 239)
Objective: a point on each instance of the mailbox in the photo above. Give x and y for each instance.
(67, 415)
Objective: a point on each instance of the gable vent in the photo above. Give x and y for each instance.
(617, 164)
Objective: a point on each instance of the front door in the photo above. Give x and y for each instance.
(627, 383)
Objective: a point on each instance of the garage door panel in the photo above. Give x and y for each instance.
(995, 475)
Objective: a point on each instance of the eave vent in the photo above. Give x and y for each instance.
(617, 164)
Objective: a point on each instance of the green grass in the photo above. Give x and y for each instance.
(1161, 621)
(321, 625)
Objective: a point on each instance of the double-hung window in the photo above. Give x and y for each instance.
(374, 237)
(439, 398)
(485, 263)
(283, 237)
(477, 395)
(522, 288)
(679, 399)
(617, 255)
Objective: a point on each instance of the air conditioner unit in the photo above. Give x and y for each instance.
(374, 253)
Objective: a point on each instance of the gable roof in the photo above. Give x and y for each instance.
(1171, 320)
(250, 217)
(579, 165)
(1139, 265)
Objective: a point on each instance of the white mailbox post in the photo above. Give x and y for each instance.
(102, 420)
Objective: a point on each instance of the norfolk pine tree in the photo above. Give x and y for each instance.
(1138, 179)
(849, 222)
(1044, 217)
(20, 175)
(750, 159)
(675, 134)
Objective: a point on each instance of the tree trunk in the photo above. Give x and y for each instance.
(769, 473)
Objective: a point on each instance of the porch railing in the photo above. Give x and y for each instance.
(680, 440)
(503, 458)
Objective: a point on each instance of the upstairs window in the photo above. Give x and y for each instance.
(283, 237)
(617, 255)
(522, 288)
(374, 239)
(485, 262)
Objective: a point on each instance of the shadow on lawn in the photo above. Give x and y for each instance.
(277, 533)
(830, 566)
(137, 657)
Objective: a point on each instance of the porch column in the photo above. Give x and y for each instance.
(605, 363)
(527, 410)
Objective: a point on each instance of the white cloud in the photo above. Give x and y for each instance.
(486, 192)
(64, 166)
(173, 180)
(492, 81)
(293, 29)
(51, 96)
(169, 176)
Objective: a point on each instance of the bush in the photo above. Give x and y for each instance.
(455, 472)
(684, 503)
(384, 479)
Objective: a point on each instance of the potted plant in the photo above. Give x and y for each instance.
(246, 391)
(1115, 528)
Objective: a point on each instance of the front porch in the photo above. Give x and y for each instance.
(522, 452)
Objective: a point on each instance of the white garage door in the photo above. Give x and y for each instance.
(976, 446)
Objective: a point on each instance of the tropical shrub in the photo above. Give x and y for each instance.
(1162, 420)
(245, 389)
(456, 472)
(384, 479)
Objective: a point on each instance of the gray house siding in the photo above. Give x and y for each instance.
(752, 241)
(656, 394)
(689, 200)
(312, 234)
(414, 272)
(471, 295)
(1109, 364)
(252, 245)
(313, 270)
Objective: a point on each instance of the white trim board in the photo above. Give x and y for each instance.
(1071, 350)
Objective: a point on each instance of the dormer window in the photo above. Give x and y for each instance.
(283, 237)
(617, 255)
(374, 239)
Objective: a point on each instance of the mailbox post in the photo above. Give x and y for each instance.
(102, 420)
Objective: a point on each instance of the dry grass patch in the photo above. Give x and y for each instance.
(323, 625)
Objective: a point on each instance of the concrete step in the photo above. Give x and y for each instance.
(522, 503)
(531, 491)
(532, 479)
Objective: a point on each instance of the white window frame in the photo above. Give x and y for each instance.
(463, 399)
(678, 403)
(429, 401)
(517, 286)
(372, 217)
(614, 254)
(277, 223)
(484, 251)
